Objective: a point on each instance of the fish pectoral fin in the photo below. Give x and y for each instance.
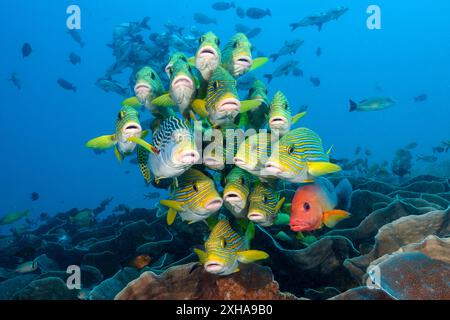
(247, 105)
(249, 256)
(279, 204)
(321, 168)
(171, 215)
(237, 270)
(298, 116)
(201, 255)
(103, 142)
(176, 205)
(199, 107)
(164, 101)
(131, 102)
(144, 144)
(332, 217)
(258, 63)
(119, 156)
(282, 219)
(191, 61)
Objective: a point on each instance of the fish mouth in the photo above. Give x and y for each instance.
(229, 106)
(182, 81)
(214, 267)
(232, 197)
(244, 62)
(256, 217)
(213, 163)
(277, 122)
(272, 168)
(132, 129)
(207, 52)
(188, 157)
(214, 205)
(239, 161)
(300, 227)
(142, 91)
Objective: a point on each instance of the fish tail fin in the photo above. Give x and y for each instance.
(344, 191)
(274, 57)
(269, 77)
(320, 26)
(331, 218)
(293, 26)
(353, 105)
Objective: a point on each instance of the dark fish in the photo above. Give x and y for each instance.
(222, 5)
(315, 81)
(44, 216)
(298, 72)
(99, 151)
(26, 50)
(257, 13)
(411, 146)
(429, 159)
(242, 28)
(318, 52)
(253, 32)
(127, 172)
(34, 196)
(15, 80)
(152, 195)
(74, 58)
(240, 12)
(368, 152)
(66, 85)
(358, 151)
(204, 19)
(76, 37)
(421, 98)
(439, 149)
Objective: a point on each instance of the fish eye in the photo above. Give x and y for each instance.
(152, 75)
(194, 187)
(252, 90)
(264, 199)
(218, 41)
(169, 70)
(201, 40)
(242, 180)
(121, 115)
(184, 59)
(291, 149)
(190, 69)
(223, 243)
(235, 45)
(266, 91)
(306, 206)
(286, 106)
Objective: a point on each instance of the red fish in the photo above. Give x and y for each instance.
(314, 205)
(141, 261)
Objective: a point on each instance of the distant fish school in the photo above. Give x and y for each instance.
(230, 187)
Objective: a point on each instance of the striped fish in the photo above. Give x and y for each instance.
(265, 204)
(253, 153)
(298, 157)
(208, 56)
(174, 149)
(221, 104)
(124, 141)
(195, 198)
(280, 115)
(225, 249)
(237, 56)
(236, 191)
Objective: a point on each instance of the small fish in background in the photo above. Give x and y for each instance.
(109, 85)
(319, 19)
(421, 98)
(140, 261)
(10, 218)
(298, 72)
(26, 50)
(127, 172)
(318, 51)
(66, 85)
(223, 6)
(76, 37)
(240, 12)
(314, 205)
(242, 28)
(411, 146)
(98, 151)
(204, 19)
(287, 49)
(27, 267)
(225, 249)
(368, 153)
(74, 58)
(16, 81)
(253, 32)
(439, 149)
(44, 216)
(83, 218)
(315, 81)
(446, 144)
(257, 13)
(372, 104)
(282, 70)
(429, 159)
(34, 196)
(152, 195)
(173, 28)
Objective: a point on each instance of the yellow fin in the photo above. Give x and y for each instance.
(199, 106)
(132, 102)
(144, 144)
(279, 204)
(191, 60)
(252, 255)
(201, 255)
(331, 218)
(171, 215)
(164, 101)
(321, 168)
(329, 150)
(247, 105)
(103, 142)
(237, 270)
(118, 154)
(258, 63)
(298, 117)
(178, 206)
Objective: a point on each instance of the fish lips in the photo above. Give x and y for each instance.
(278, 123)
(132, 129)
(241, 65)
(187, 157)
(259, 218)
(214, 205)
(214, 267)
(228, 107)
(207, 52)
(213, 163)
(142, 91)
(299, 227)
(271, 168)
(182, 81)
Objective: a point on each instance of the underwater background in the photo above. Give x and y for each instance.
(44, 128)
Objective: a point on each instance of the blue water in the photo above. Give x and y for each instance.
(44, 128)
